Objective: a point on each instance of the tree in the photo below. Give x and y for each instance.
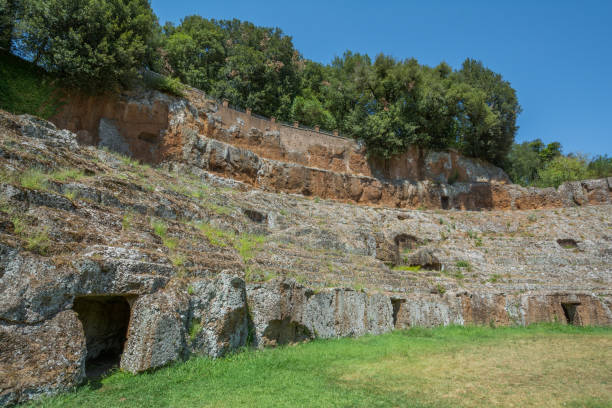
(93, 44)
(526, 160)
(562, 169)
(195, 51)
(260, 70)
(10, 13)
(600, 166)
(489, 113)
(307, 109)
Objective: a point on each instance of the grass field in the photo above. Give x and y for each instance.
(538, 366)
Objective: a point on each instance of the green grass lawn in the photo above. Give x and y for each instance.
(536, 366)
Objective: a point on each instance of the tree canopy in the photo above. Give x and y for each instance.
(89, 43)
(387, 103)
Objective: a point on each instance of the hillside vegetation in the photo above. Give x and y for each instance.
(25, 88)
(445, 367)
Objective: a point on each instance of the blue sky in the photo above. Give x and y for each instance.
(556, 54)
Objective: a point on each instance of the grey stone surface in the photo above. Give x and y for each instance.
(34, 127)
(110, 137)
(218, 315)
(44, 358)
(157, 333)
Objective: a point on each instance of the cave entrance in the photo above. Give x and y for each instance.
(396, 304)
(405, 244)
(444, 202)
(569, 310)
(105, 322)
(285, 331)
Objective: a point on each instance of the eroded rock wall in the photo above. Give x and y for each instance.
(153, 127)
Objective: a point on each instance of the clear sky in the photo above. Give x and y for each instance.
(557, 54)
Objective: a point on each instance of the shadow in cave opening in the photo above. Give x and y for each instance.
(105, 322)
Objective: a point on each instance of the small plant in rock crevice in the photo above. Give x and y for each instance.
(33, 179)
(194, 329)
(440, 289)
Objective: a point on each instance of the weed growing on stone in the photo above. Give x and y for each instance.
(38, 242)
(216, 236)
(71, 195)
(194, 329)
(69, 174)
(159, 228)
(247, 244)
(126, 221)
(495, 278)
(170, 243)
(406, 268)
(34, 179)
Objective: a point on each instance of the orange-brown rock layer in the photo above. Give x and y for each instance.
(155, 128)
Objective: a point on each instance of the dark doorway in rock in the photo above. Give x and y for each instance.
(405, 244)
(255, 216)
(148, 137)
(397, 304)
(569, 310)
(285, 331)
(567, 243)
(105, 321)
(444, 202)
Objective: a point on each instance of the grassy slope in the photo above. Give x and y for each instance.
(452, 366)
(25, 88)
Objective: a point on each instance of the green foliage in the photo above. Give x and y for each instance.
(536, 164)
(159, 228)
(600, 167)
(10, 14)
(396, 104)
(463, 264)
(38, 242)
(217, 236)
(25, 88)
(67, 174)
(126, 221)
(308, 109)
(170, 243)
(91, 44)
(34, 179)
(247, 244)
(562, 169)
(165, 84)
(19, 225)
(194, 329)
(495, 278)
(406, 268)
(525, 160)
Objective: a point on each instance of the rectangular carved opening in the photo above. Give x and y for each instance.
(444, 202)
(569, 310)
(105, 322)
(397, 304)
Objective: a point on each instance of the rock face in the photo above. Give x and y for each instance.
(43, 358)
(285, 312)
(218, 318)
(153, 127)
(105, 261)
(157, 332)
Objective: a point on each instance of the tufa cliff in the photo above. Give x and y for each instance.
(211, 242)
